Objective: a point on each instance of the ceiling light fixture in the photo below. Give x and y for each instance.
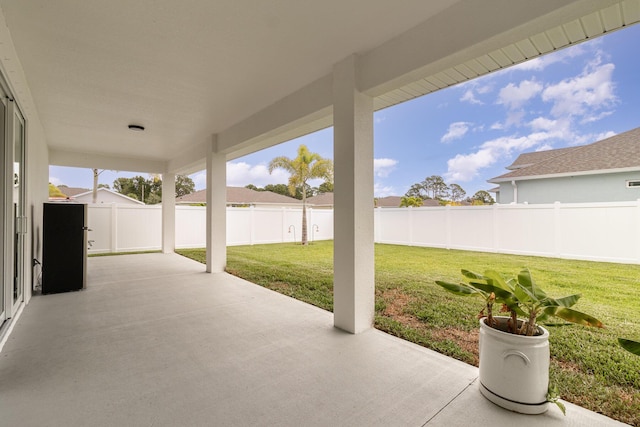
(136, 128)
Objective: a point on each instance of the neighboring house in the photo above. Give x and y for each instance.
(105, 196)
(71, 192)
(243, 197)
(321, 201)
(388, 202)
(605, 171)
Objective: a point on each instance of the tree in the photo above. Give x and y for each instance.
(435, 187)
(304, 167)
(456, 192)
(483, 196)
(96, 174)
(417, 190)
(253, 187)
(184, 185)
(325, 187)
(55, 191)
(104, 186)
(277, 188)
(149, 191)
(406, 202)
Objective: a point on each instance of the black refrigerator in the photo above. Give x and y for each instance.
(64, 247)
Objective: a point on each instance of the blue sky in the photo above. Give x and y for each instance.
(470, 132)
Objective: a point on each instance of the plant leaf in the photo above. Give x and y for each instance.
(630, 345)
(569, 301)
(458, 289)
(574, 316)
(495, 279)
(471, 275)
(526, 280)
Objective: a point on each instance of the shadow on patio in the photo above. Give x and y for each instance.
(154, 340)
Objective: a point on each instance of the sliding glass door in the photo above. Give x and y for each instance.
(13, 214)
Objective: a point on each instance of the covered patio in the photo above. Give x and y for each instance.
(167, 87)
(154, 340)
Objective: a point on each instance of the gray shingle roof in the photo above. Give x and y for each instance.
(618, 152)
(324, 199)
(72, 191)
(389, 202)
(528, 159)
(241, 195)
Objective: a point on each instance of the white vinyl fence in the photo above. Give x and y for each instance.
(123, 228)
(590, 231)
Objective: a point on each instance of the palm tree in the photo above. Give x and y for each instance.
(303, 168)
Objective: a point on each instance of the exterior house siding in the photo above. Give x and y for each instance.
(573, 189)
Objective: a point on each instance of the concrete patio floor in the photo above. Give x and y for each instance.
(156, 341)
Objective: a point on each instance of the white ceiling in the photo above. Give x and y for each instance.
(189, 69)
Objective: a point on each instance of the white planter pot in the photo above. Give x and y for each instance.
(514, 369)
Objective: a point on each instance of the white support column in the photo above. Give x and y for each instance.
(353, 286)
(168, 213)
(216, 209)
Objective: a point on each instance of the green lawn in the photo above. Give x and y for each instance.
(587, 365)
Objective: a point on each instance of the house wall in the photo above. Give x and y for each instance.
(37, 195)
(574, 189)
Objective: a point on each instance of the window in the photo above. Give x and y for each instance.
(633, 183)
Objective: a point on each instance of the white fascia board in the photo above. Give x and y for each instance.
(488, 25)
(103, 161)
(566, 174)
(289, 116)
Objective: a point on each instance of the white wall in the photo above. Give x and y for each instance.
(593, 231)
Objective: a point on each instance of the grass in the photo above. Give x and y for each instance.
(587, 365)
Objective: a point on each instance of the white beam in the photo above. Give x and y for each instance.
(101, 161)
(191, 160)
(353, 286)
(168, 213)
(289, 116)
(216, 209)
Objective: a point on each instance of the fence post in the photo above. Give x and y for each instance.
(114, 227)
(557, 237)
(495, 225)
(447, 225)
(410, 225)
(638, 230)
(251, 224)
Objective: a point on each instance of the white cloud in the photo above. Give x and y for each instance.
(544, 147)
(456, 131)
(465, 167)
(514, 118)
(516, 96)
(591, 91)
(199, 179)
(240, 174)
(383, 167)
(380, 190)
(55, 181)
(560, 128)
(469, 97)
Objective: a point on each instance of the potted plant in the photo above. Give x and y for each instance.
(514, 349)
